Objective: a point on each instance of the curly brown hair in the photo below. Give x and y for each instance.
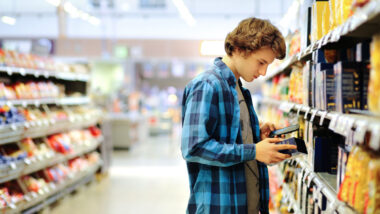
(251, 34)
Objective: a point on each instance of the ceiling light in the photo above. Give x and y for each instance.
(55, 3)
(212, 48)
(184, 12)
(8, 20)
(94, 21)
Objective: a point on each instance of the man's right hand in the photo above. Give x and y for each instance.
(267, 151)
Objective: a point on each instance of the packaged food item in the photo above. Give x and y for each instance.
(296, 85)
(372, 199)
(347, 81)
(28, 145)
(34, 184)
(60, 143)
(374, 80)
(10, 115)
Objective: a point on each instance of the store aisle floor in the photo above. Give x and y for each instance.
(150, 178)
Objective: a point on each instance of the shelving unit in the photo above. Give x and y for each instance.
(40, 128)
(47, 101)
(322, 187)
(45, 74)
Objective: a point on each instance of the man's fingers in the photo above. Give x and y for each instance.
(285, 146)
(272, 127)
(274, 140)
(282, 156)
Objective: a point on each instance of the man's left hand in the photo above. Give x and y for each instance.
(266, 128)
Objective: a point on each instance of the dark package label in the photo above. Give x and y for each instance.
(347, 87)
(301, 147)
(330, 90)
(364, 86)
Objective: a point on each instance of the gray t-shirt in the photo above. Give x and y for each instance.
(251, 169)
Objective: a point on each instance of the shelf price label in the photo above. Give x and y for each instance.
(360, 131)
(12, 166)
(332, 207)
(307, 112)
(313, 115)
(332, 124)
(9, 71)
(22, 71)
(374, 143)
(36, 73)
(323, 116)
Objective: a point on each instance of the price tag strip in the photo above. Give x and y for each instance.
(313, 115)
(375, 137)
(334, 118)
(299, 107)
(307, 112)
(360, 131)
(323, 115)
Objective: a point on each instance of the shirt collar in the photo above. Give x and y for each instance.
(225, 71)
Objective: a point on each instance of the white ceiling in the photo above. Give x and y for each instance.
(214, 19)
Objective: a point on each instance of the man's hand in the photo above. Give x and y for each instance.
(267, 151)
(266, 128)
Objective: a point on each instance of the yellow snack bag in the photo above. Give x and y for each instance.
(361, 180)
(372, 199)
(374, 80)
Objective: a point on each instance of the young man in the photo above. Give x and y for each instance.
(225, 147)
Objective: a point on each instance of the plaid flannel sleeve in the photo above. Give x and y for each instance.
(200, 117)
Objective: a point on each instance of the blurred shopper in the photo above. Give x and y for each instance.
(225, 147)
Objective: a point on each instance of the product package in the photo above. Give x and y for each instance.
(374, 81)
(347, 79)
(316, 91)
(325, 87)
(362, 52)
(301, 148)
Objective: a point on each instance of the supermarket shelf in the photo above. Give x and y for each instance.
(35, 164)
(288, 193)
(325, 188)
(36, 203)
(364, 23)
(16, 132)
(338, 122)
(283, 67)
(47, 101)
(44, 73)
(61, 194)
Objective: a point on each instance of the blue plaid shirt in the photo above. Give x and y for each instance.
(212, 144)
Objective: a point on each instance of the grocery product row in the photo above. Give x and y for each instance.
(12, 62)
(336, 84)
(326, 162)
(33, 169)
(19, 123)
(30, 155)
(32, 192)
(297, 189)
(326, 24)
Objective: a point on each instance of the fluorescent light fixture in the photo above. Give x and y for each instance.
(94, 21)
(84, 15)
(76, 13)
(55, 3)
(184, 12)
(212, 48)
(8, 20)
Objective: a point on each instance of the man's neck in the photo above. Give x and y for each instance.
(230, 64)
